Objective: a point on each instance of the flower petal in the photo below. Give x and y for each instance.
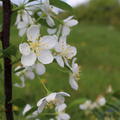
(30, 75)
(50, 21)
(28, 60)
(68, 19)
(64, 94)
(72, 52)
(59, 61)
(24, 49)
(41, 105)
(73, 82)
(45, 57)
(62, 42)
(65, 31)
(72, 23)
(60, 108)
(51, 97)
(25, 17)
(22, 31)
(17, 2)
(21, 24)
(40, 69)
(48, 42)
(51, 31)
(33, 32)
(26, 109)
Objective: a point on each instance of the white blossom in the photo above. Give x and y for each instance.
(64, 52)
(36, 47)
(28, 73)
(61, 115)
(24, 17)
(53, 98)
(23, 21)
(101, 101)
(89, 105)
(86, 105)
(74, 75)
(48, 11)
(68, 23)
(26, 109)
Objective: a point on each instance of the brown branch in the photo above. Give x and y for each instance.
(7, 61)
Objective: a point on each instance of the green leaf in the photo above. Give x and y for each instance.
(14, 16)
(20, 69)
(61, 4)
(78, 101)
(10, 51)
(19, 102)
(31, 111)
(43, 22)
(116, 94)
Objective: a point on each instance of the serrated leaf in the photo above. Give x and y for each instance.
(61, 4)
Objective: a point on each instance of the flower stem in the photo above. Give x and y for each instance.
(7, 60)
(48, 92)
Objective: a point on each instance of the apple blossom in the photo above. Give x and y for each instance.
(64, 52)
(101, 101)
(24, 17)
(61, 115)
(89, 105)
(36, 47)
(74, 75)
(26, 109)
(27, 73)
(53, 98)
(86, 105)
(48, 11)
(68, 23)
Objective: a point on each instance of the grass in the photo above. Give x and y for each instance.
(99, 56)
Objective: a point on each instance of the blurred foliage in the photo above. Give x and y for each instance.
(110, 111)
(98, 11)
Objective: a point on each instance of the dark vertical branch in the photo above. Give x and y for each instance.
(7, 61)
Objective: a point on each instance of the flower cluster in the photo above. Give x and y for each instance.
(45, 49)
(49, 101)
(89, 105)
(38, 49)
(100, 101)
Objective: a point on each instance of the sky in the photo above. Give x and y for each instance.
(75, 2)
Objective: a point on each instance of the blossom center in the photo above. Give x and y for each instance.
(35, 46)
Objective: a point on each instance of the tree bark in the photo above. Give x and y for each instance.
(7, 60)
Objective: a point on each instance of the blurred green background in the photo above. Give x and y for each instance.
(97, 38)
